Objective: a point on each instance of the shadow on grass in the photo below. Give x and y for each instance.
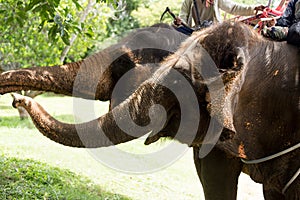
(29, 179)
(15, 121)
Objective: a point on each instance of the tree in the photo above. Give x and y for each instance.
(123, 19)
(36, 32)
(30, 37)
(83, 17)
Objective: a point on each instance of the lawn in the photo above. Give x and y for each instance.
(29, 179)
(20, 139)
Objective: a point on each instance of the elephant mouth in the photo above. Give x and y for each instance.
(169, 130)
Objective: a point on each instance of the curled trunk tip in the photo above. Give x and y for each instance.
(19, 100)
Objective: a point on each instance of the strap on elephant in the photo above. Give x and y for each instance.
(184, 28)
(295, 176)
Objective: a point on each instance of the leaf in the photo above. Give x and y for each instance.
(41, 25)
(82, 25)
(19, 3)
(78, 6)
(66, 39)
(89, 32)
(112, 3)
(89, 35)
(56, 3)
(32, 4)
(52, 32)
(22, 15)
(76, 28)
(20, 21)
(9, 19)
(38, 8)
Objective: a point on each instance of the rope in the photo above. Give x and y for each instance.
(272, 156)
(291, 181)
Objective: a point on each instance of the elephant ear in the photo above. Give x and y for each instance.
(229, 56)
(233, 80)
(226, 43)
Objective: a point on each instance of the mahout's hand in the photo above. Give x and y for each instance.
(259, 8)
(177, 21)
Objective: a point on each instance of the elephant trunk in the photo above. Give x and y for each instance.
(91, 78)
(40, 78)
(129, 117)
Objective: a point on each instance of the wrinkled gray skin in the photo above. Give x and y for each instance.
(261, 110)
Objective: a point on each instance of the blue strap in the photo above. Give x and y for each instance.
(184, 30)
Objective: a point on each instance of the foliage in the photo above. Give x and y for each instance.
(56, 13)
(28, 179)
(35, 35)
(123, 20)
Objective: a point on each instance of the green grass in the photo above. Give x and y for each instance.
(13, 121)
(29, 179)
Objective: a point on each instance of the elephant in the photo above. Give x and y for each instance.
(107, 66)
(257, 109)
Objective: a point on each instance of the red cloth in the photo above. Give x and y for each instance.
(209, 3)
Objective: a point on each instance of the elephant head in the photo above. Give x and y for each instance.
(156, 106)
(99, 72)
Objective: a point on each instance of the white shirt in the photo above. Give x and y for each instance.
(212, 13)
